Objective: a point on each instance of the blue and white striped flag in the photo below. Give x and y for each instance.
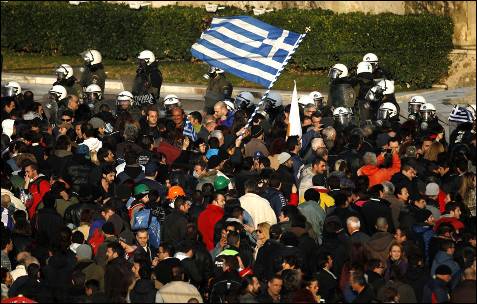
(189, 130)
(461, 114)
(246, 47)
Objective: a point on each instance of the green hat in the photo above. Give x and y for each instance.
(141, 189)
(221, 182)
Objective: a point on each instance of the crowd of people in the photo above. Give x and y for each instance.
(135, 200)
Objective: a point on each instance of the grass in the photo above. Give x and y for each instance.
(173, 72)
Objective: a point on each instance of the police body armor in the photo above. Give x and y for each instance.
(341, 95)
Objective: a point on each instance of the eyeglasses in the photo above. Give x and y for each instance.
(65, 119)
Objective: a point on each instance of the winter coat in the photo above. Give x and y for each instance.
(47, 223)
(399, 179)
(143, 292)
(442, 258)
(268, 255)
(93, 144)
(405, 291)
(100, 257)
(117, 279)
(417, 277)
(372, 210)
(423, 234)
(435, 291)
(378, 175)
(59, 162)
(286, 177)
(255, 145)
(206, 222)
(57, 274)
(276, 199)
(379, 244)
(37, 189)
(168, 293)
(92, 271)
(315, 215)
(174, 228)
(259, 208)
(464, 292)
(306, 181)
(79, 171)
(396, 206)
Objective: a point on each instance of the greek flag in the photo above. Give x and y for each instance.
(189, 130)
(460, 114)
(247, 47)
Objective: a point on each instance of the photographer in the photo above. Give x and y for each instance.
(373, 166)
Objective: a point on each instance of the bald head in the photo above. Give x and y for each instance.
(220, 110)
(382, 224)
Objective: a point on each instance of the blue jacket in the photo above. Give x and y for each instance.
(425, 233)
(442, 258)
(435, 291)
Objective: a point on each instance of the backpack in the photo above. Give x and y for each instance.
(144, 219)
(96, 240)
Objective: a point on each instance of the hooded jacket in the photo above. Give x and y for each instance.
(379, 244)
(93, 144)
(442, 258)
(259, 208)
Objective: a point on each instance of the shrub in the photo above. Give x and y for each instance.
(413, 48)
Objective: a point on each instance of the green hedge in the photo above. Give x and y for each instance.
(413, 47)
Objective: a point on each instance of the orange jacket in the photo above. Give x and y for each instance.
(378, 175)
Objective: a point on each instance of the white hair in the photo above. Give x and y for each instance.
(353, 222)
(316, 143)
(388, 187)
(218, 134)
(369, 158)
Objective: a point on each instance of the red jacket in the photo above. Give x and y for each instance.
(206, 222)
(378, 175)
(37, 190)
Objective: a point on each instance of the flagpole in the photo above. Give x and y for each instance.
(295, 47)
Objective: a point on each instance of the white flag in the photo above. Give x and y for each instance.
(294, 123)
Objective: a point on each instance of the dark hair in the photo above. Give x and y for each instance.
(6, 238)
(233, 238)
(333, 182)
(361, 184)
(87, 129)
(398, 189)
(116, 247)
(340, 198)
(62, 142)
(312, 195)
(373, 263)
(22, 225)
(102, 153)
(106, 169)
(323, 259)
(32, 270)
(250, 185)
(451, 206)
(196, 115)
(77, 237)
(298, 221)
(374, 190)
(169, 248)
(446, 244)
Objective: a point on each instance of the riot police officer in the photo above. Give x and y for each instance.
(387, 115)
(57, 95)
(273, 105)
(364, 79)
(246, 101)
(170, 101)
(342, 118)
(414, 106)
(341, 87)
(148, 81)
(65, 78)
(218, 88)
(93, 71)
(378, 72)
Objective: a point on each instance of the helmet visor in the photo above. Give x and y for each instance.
(334, 73)
(9, 91)
(342, 119)
(374, 95)
(427, 115)
(414, 108)
(383, 114)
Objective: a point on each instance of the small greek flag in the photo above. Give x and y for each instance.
(460, 114)
(189, 130)
(247, 47)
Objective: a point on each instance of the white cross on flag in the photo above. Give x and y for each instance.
(246, 47)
